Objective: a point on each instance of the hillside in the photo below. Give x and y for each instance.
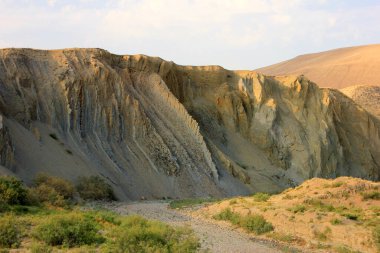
(337, 68)
(320, 215)
(154, 129)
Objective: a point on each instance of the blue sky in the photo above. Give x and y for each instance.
(239, 34)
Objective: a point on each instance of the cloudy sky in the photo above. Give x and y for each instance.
(239, 34)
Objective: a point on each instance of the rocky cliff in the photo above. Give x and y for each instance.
(156, 129)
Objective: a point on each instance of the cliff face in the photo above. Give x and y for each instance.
(156, 129)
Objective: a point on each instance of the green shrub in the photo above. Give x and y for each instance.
(69, 230)
(261, 197)
(137, 234)
(10, 232)
(94, 188)
(256, 224)
(12, 191)
(252, 222)
(63, 187)
(228, 215)
(371, 195)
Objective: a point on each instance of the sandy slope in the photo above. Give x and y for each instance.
(337, 68)
(214, 237)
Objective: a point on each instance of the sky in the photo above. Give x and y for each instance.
(238, 34)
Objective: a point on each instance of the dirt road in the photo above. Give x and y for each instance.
(214, 237)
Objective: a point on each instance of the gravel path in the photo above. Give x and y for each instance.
(214, 237)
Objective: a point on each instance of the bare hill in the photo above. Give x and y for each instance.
(337, 68)
(156, 129)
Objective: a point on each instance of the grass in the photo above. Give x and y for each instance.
(261, 197)
(376, 236)
(184, 203)
(51, 230)
(323, 236)
(252, 222)
(137, 234)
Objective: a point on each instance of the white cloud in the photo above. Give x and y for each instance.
(236, 34)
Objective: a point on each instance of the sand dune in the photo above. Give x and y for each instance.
(337, 68)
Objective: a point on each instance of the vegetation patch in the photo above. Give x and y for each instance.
(252, 222)
(68, 230)
(12, 191)
(10, 232)
(52, 190)
(136, 234)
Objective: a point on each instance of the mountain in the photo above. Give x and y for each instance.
(337, 68)
(155, 129)
(365, 95)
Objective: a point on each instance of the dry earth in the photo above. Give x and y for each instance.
(214, 237)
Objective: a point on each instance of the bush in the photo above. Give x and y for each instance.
(10, 232)
(53, 190)
(12, 191)
(252, 222)
(63, 187)
(69, 230)
(261, 197)
(94, 188)
(137, 234)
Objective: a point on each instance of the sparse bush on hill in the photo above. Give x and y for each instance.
(10, 232)
(94, 188)
(371, 195)
(12, 191)
(252, 222)
(69, 230)
(137, 234)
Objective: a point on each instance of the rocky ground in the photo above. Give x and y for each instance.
(214, 237)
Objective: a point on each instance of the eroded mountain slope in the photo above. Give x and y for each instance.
(156, 129)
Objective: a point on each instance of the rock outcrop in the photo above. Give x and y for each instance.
(156, 129)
